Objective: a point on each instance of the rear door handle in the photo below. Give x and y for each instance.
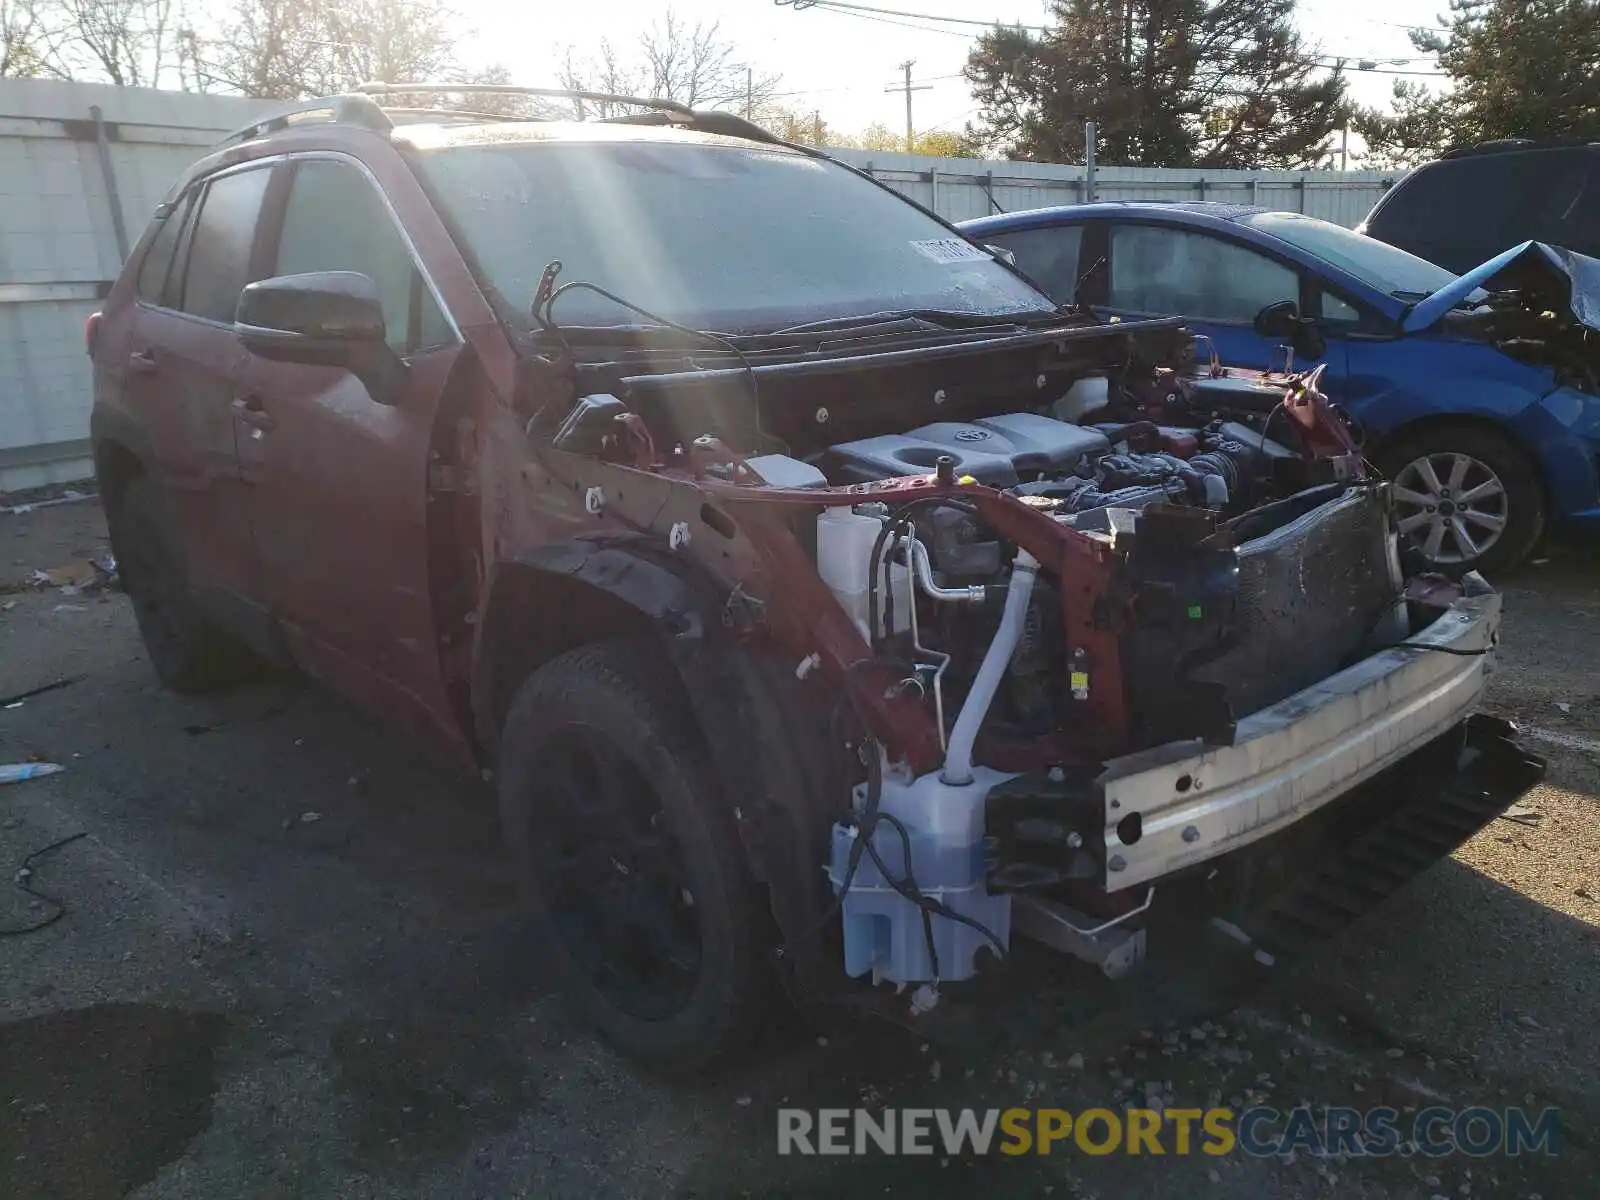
(143, 362)
(252, 412)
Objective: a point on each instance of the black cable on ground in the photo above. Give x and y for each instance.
(24, 877)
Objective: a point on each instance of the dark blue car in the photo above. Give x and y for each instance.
(1478, 393)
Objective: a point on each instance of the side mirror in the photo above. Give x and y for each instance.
(1282, 322)
(1278, 320)
(326, 319)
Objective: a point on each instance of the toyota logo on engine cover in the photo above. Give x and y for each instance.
(971, 435)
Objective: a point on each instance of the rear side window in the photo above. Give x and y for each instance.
(220, 250)
(155, 270)
(1176, 272)
(1462, 212)
(1047, 256)
(335, 220)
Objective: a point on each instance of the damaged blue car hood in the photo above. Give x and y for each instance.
(1515, 268)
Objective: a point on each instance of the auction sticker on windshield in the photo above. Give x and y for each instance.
(951, 250)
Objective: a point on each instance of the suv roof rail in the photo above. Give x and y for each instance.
(348, 109)
(508, 89)
(362, 109)
(1508, 145)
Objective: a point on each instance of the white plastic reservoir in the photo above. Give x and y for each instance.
(883, 929)
(844, 550)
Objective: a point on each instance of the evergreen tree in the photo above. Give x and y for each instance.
(1518, 68)
(1169, 83)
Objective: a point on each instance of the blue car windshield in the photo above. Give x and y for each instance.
(1382, 266)
(715, 235)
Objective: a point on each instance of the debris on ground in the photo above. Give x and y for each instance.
(69, 496)
(80, 577)
(16, 698)
(21, 772)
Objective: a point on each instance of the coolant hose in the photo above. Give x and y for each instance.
(958, 760)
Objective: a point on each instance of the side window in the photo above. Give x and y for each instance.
(220, 248)
(1174, 272)
(1335, 309)
(1048, 256)
(335, 220)
(155, 271)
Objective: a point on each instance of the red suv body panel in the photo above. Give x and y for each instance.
(303, 506)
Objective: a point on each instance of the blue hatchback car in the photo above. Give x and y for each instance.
(1479, 394)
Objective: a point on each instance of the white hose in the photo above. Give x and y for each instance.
(958, 761)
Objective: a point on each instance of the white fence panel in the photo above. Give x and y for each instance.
(59, 246)
(961, 188)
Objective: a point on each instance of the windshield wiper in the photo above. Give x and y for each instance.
(545, 298)
(940, 318)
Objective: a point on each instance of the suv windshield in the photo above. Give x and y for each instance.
(1392, 271)
(717, 236)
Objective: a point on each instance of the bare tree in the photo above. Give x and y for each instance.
(605, 72)
(291, 49)
(673, 60)
(271, 49)
(388, 40)
(132, 43)
(22, 33)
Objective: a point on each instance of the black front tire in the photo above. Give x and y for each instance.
(189, 653)
(1491, 461)
(620, 703)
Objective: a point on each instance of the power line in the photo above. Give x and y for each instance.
(802, 5)
(865, 12)
(861, 87)
(823, 6)
(948, 121)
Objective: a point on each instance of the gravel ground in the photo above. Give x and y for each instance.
(285, 967)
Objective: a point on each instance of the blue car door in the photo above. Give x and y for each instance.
(1216, 284)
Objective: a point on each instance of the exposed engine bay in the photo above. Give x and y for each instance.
(1072, 572)
(1240, 570)
(1538, 304)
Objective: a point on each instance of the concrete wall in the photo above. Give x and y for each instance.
(60, 248)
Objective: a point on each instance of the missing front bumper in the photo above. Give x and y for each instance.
(1174, 806)
(1422, 810)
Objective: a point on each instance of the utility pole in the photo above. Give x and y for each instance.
(749, 92)
(1344, 132)
(1088, 162)
(908, 88)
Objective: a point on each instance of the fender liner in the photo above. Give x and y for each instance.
(767, 732)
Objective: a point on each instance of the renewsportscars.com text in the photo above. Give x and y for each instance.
(1258, 1132)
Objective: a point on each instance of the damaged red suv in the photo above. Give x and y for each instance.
(825, 601)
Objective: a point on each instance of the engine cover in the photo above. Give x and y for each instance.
(1000, 451)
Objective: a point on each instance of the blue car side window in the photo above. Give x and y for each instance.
(1335, 309)
(1049, 257)
(1178, 272)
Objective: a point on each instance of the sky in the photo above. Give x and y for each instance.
(840, 64)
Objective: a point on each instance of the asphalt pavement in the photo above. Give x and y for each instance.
(277, 958)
